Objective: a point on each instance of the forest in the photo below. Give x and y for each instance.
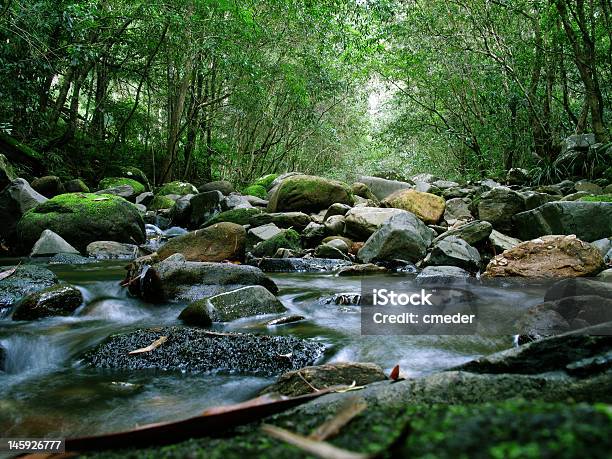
(220, 89)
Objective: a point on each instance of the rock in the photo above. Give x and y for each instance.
(111, 250)
(445, 184)
(498, 206)
(336, 209)
(577, 287)
(204, 206)
(603, 246)
(501, 242)
(589, 221)
(236, 304)
(547, 257)
(403, 237)
(285, 239)
(160, 203)
(362, 222)
(295, 220)
(222, 186)
(313, 234)
(175, 279)
(238, 216)
(517, 176)
(236, 201)
(7, 173)
(3, 359)
(122, 191)
(257, 202)
(219, 242)
(588, 187)
(145, 198)
(361, 270)
(196, 350)
(25, 280)
(575, 196)
(533, 199)
(442, 275)
(299, 265)
(428, 207)
(69, 259)
(605, 275)
(76, 186)
(51, 244)
(540, 323)
(473, 232)
(457, 209)
(135, 174)
(196, 314)
(305, 380)
(335, 248)
(83, 218)
(363, 191)
(308, 193)
(117, 182)
(335, 225)
(381, 188)
(178, 188)
(15, 200)
(255, 190)
(284, 320)
(59, 300)
(452, 251)
(48, 186)
(261, 233)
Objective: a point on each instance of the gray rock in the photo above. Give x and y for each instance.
(425, 178)
(498, 206)
(589, 221)
(533, 199)
(51, 244)
(223, 186)
(501, 242)
(402, 237)
(588, 187)
(25, 280)
(603, 245)
(473, 232)
(111, 250)
(575, 196)
(313, 234)
(457, 209)
(335, 225)
(58, 300)
(442, 275)
(15, 200)
(123, 191)
(257, 202)
(235, 201)
(69, 259)
(299, 265)
(517, 176)
(577, 287)
(295, 220)
(48, 186)
(452, 251)
(204, 206)
(335, 248)
(577, 142)
(605, 275)
(261, 233)
(445, 184)
(197, 350)
(336, 209)
(382, 187)
(362, 222)
(180, 213)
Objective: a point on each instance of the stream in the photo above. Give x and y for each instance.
(46, 390)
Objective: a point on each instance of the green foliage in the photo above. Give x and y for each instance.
(266, 181)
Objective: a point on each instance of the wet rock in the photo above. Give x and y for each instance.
(83, 218)
(308, 193)
(196, 350)
(307, 380)
(180, 213)
(603, 246)
(15, 200)
(285, 320)
(533, 199)
(285, 239)
(363, 191)
(69, 259)
(428, 207)
(473, 232)
(295, 220)
(575, 196)
(577, 287)
(111, 250)
(517, 176)
(362, 222)
(605, 275)
(498, 206)
(313, 234)
(501, 242)
(457, 209)
(336, 248)
(589, 221)
(442, 275)
(362, 270)
(145, 198)
(177, 188)
(59, 300)
(335, 225)
(49, 186)
(240, 216)
(261, 233)
(541, 322)
(51, 244)
(336, 209)
(175, 279)
(25, 280)
(257, 202)
(299, 265)
(381, 188)
(219, 242)
(403, 237)
(547, 257)
(588, 187)
(236, 304)
(235, 201)
(122, 191)
(453, 251)
(7, 173)
(204, 206)
(222, 186)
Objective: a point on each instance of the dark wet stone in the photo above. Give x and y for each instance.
(26, 279)
(295, 265)
(70, 259)
(196, 350)
(59, 300)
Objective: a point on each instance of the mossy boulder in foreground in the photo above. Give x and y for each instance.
(82, 218)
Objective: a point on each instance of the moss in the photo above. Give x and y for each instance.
(112, 182)
(266, 181)
(238, 216)
(161, 202)
(255, 190)
(180, 188)
(135, 174)
(600, 198)
(20, 146)
(286, 239)
(309, 193)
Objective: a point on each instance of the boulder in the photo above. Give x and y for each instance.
(178, 188)
(308, 193)
(577, 287)
(307, 380)
(76, 186)
(589, 221)
(119, 182)
(222, 186)
(285, 239)
(313, 234)
(428, 207)
(59, 300)
(7, 173)
(161, 203)
(442, 275)
(498, 206)
(175, 279)
(180, 213)
(335, 248)
(233, 305)
(457, 209)
(336, 209)
(255, 190)
(240, 216)
(517, 176)
(219, 242)
(295, 220)
(473, 232)
(122, 191)
(261, 233)
(24, 280)
(49, 186)
(362, 222)
(197, 350)
(589, 187)
(381, 188)
(51, 244)
(403, 237)
(363, 191)
(501, 242)
(547, 257)
(82, 219)
(533, 199)
(15, 200)
(111, 250)
(335, 225)
(133, 173)
(361, 270)
(236, 201)
(453, 251)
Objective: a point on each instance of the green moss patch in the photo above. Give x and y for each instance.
(266, 181)
(161, 202)
(180, 188)
(600, 198)
(255, 190)
(286, 239)
(238, 216)
(112, 182)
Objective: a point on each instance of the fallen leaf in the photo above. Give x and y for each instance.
(151, 347)
(8, 272)
(394, 375)
(350, 409)
(101, 199)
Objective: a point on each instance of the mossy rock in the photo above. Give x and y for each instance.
(255, 190)
(76, 186)
(83, 218)
(309, 193)
(135, 174)
(600, 198)
(161, 202)
(286, 239)
(112, 182)
(238, 216)
(266, 181)
(7, 173)
(180, 188)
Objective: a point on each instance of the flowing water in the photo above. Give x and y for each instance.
(47, 391)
